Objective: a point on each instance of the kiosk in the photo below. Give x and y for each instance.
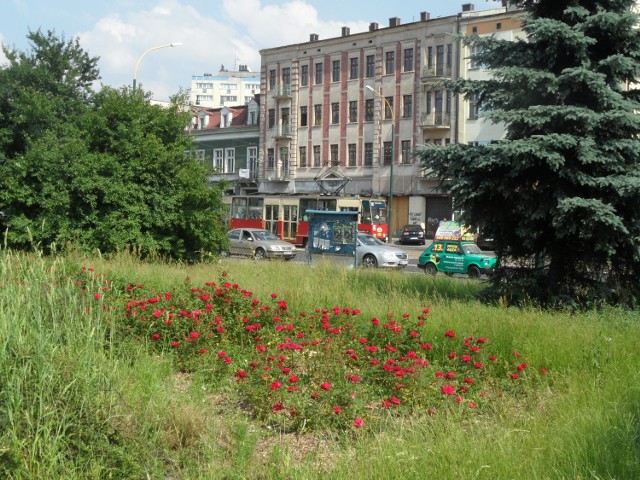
(332, 237)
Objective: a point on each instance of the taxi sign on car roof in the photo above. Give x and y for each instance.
(453, 231)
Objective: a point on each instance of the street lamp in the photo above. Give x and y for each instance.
(393, 136)
(135, 73)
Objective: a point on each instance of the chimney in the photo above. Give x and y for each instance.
(313, 37)
(346, 31)
(424, 16)
(394, 22)
(468, 7)
(373, 26)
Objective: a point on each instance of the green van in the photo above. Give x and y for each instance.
(454, 251)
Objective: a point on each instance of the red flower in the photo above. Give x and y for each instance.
(261, 348)
(386, 404)
(459, 399)
(293, 379)
(514, 376)
(202, 351)
(358, 422)
(394, 400)
(155, 336)
(275, 385)
(227, 360)
(375, 322)
(337, 409)
(194, 335)
(522, 366)
(175, 344)
(450, 334)
(468, 381)
(222, 354)
(325, 386)
(278, 406)
(241, 374)
(274, 295)
(472, 404)
(448, 390)
(544, 371)
(493, 358)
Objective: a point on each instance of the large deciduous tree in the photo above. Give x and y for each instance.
(103, 171)
(563, 187)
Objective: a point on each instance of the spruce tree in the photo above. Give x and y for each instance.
(561, 191)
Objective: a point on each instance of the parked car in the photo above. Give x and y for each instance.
(485, 242)
(259, 243)
(372, 253)
(453, 251)
(412, 234)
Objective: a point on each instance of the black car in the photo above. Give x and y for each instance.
(412, 234)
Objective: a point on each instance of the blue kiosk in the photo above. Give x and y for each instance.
(333, 237)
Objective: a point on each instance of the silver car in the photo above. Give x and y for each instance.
(259, 243)
(371, 253)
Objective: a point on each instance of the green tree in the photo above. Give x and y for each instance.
(110, 172)
(563, 186)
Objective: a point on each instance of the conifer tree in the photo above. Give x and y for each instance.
(563, 186)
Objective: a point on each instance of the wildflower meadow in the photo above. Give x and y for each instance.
(125, 369)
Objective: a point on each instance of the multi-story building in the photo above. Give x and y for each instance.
(354, 109)
(226, 89)
(226, 140)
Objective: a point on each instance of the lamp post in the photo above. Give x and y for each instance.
(135, 73)
(393, 137)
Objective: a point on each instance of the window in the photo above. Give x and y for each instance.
(408, 60)
(440, 60)
(284, 160)
(474, 29)
(270, 158)
(335, 113)
(317, 115)
(474, 64)
(354, 70)
(474, 109)
(252, 161)
(200, 156)
(429, 57)
(272, 79)
(335, 71)
(352, 155)
(334, 154)
(388, 108)
(390, 62)
(368, 110)
(229, 160)
(272, 117)
(286, 77)
(218, 159)
(405, 149)
(499, 26)
(407, 106)
(387, 149)
(449, 55)
(303, 157)
(303, 116)
(225, 120)
(285, 121)
(318, 73)
(368, 154)
(371, 66)
(353, 111)
(304, 75)
(316, 156)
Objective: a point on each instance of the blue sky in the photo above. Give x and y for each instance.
(212, 32)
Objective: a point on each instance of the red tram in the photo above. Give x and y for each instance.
(284, 215)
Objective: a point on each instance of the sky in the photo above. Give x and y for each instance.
(212, 32)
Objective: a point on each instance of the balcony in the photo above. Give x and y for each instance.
(434, 74)
(277, 174)
(282, 132)
(437, 121)
(281, 91)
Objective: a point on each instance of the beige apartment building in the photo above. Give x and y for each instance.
(348, 113)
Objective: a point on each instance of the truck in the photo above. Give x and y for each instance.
(454, 251)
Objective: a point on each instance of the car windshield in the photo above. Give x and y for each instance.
(264, 235)
(413, 228)
(369, 240)
(471, 248)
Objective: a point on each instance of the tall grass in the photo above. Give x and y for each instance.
(79, 401)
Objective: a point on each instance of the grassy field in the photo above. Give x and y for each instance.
(83, 396)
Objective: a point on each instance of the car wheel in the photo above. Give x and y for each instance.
(473, 272)
(369, 261)
(260, 254)
(430, 269)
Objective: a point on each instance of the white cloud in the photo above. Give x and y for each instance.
(3, 58)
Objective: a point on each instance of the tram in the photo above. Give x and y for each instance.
(284, 215)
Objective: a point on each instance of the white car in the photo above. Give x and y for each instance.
(372, 253)
(259, 243)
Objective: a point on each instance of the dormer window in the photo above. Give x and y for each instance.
(203, 120)
(225, 118)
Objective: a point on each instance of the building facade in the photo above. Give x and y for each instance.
(226, 89)
(357, 107)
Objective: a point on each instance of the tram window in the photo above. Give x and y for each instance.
(365, 215)
(255, 208)
(379, 211)
(307, 204)
(328, 205)
(239, 208)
